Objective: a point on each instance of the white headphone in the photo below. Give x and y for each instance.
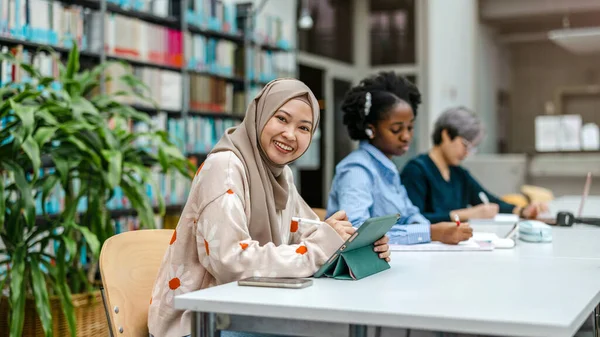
(369, 133)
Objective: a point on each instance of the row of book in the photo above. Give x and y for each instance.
(267, 66)
(42, 21)
(209, 94)
(10, 73)
(215, 15)
(216, 56)
(162, 8)
(134, 39)
(173, 186)
(163, 86)
(198, 134)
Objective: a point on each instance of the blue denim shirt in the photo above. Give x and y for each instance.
(367, 184)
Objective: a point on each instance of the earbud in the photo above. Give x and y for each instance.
(369, 133)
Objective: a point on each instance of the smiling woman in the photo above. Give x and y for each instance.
(237, 222)
(287, 134)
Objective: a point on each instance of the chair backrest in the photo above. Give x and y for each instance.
(321, 212)
(129, 264)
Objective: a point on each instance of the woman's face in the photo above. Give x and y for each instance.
(455, 150)
(287, 134)
(393, 135)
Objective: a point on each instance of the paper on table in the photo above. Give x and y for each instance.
(502, 218)
(469, 245)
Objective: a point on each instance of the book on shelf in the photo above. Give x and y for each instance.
(204, 132)
(161, 8)
(164, 87)
(133, 39)
(213, 95)
(45, 22)
(212, 55)
(213, 15)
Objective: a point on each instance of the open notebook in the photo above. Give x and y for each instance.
(469, 245)
(499, 219)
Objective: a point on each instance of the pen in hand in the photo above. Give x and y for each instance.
(484, 198)
(457, 220)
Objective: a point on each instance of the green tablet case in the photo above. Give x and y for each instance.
(355, 259)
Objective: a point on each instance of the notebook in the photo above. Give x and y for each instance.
(469, 245)
(499, 219)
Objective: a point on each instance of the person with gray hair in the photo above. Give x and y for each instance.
(441, 188)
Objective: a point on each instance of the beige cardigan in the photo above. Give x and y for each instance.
(211, 244)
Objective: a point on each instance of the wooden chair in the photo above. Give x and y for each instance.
(321, 212)
(129, 264)
(536, 193)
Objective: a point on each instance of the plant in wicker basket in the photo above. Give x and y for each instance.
(67, 127)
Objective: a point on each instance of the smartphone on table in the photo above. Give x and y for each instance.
(276, 282)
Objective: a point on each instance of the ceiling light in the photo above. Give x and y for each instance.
(577, 40)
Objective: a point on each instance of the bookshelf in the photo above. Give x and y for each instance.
(199, 54)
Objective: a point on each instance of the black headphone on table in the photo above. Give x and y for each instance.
(568, 219)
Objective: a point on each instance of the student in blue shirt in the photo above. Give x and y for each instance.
(441, 188)
(380, 112)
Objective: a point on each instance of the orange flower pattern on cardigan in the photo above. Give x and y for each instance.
(213, 245)
(294, 226)
(173, 238)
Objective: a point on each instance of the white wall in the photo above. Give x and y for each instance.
(488, 68)
(452, 32)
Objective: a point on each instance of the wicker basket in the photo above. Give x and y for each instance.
(89, 314)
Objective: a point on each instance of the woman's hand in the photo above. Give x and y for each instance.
(532, 210)
(382, 247)
(448, 232)
(339, 222)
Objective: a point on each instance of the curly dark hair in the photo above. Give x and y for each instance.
(387, 89)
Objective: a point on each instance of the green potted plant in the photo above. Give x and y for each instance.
(47, 260)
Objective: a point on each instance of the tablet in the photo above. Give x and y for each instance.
(370, 231)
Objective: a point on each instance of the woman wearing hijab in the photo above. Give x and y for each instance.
(237, 220)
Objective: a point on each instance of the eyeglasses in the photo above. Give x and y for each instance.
(471, 149)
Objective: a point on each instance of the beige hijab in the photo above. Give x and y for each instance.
(268, 187)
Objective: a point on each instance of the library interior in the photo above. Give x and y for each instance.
(248, 168)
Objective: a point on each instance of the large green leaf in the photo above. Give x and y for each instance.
(40, 293)
(29, 69)
(24, 188)
(83, 147)
(31, 148)
(17, 292)
(25, 114)
(90, 238)
(136, 193)
(44, 134)
(73, 63)
(47, 117)
(115, 165)
(2, 204)
(83, 106)
(49, 184)
(64, 294)
(62, 167)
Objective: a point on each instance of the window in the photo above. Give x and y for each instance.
(331, 34)
(392, 28)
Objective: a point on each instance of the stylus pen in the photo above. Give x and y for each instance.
(306, 221)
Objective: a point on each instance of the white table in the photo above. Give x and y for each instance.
(571, 203)
(528, 291)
